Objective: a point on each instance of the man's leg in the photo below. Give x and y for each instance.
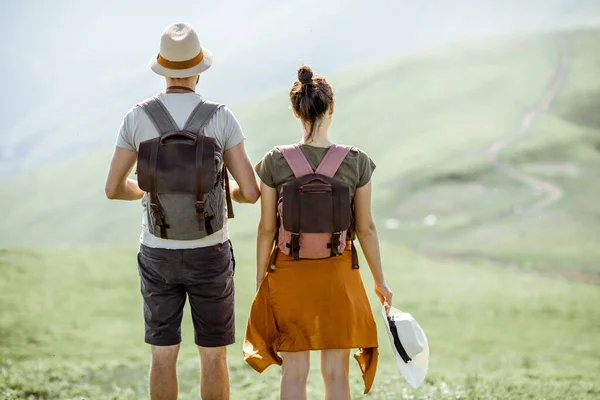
(210, 287)
(163, 311)
(214, 380)
(163, 373)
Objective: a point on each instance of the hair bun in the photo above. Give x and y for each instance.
(305, 75)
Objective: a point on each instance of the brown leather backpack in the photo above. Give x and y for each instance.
(182, 174)
(314, 209)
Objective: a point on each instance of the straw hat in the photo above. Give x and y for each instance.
(409, 344)
(181, 54)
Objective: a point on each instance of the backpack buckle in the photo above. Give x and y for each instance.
(200, 214)
(335, 243)
(295, 246)
(207, 223)
(158, 216)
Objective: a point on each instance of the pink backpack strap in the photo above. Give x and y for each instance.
(333, 159)
(296, 160)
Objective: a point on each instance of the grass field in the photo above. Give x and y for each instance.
(438, 111)
(71, 315)
(75, 330)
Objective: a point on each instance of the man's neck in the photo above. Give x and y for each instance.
(179, 89)
(185, 85)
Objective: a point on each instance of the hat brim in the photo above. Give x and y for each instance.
(415, 370)
(205, 64)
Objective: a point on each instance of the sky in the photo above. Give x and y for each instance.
(72, 65)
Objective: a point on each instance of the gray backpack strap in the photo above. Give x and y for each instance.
(159, 115)
(198, 119)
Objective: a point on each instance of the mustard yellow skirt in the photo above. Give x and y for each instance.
(312, 305)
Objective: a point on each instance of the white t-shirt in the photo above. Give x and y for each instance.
(137, 127)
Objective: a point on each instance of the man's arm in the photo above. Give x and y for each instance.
(245, 189)
(118, 186)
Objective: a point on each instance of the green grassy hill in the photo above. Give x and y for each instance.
(479, 210)
(425, 120)
(425, 109)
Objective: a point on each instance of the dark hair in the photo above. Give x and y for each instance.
(311, 96)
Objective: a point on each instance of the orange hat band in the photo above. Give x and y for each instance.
(180, 64)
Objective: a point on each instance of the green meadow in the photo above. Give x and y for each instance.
(504, 318)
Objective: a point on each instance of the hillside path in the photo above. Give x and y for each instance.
(552, 191)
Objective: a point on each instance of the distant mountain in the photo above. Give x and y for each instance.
(424, 119)
(73, 69)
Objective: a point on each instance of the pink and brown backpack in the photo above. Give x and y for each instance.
(314, 210)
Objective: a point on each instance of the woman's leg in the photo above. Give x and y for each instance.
(294, 375)
(334, 367)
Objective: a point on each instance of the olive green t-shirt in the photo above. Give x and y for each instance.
(355, 171)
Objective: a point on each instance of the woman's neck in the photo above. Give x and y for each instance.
(320, 136)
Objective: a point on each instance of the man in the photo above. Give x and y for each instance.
(201, 266)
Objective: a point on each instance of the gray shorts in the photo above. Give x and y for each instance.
(205, 276)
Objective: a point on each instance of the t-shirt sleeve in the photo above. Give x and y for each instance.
(366, 166)
(232, 132)
(264, 170)
(125, 137)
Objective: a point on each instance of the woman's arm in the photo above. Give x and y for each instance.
(367, 236)
(267, 227)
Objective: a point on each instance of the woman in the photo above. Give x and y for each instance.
(314, 304)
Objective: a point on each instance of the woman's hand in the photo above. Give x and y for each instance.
(384, 293)
(367, 236)
(267, 228)
(259, 282)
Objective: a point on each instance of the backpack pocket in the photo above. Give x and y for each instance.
(314, 208)
(316, 205)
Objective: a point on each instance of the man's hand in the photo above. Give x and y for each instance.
(245, 189)
(118, 186)
(235, 192)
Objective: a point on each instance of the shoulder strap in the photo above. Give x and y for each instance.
(159, 115)
(333, 159)
(296, 160)
(198, 119)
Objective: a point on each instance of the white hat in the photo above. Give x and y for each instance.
(409, 344)
(181, 55)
